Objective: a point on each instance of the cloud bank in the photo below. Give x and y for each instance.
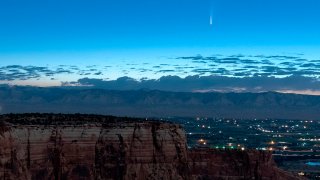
(217, 65)
(207, 84)
(238, 73)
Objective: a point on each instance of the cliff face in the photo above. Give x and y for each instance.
(234, 164)
(32, 149)
(115, 151)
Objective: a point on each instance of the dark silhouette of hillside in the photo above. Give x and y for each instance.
(147, 103)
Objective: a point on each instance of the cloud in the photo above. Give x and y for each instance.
(207, 83)
(310, 65)
(98, 73)
(278, 57)
(236, 66)
(309, 92)
(18, 72)
(250, 61)
(275, 65)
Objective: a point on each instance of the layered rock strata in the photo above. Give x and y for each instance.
(47, 146)
(234, 165)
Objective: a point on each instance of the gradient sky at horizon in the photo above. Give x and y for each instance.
(119, 32)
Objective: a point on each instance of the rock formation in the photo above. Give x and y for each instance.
(234, 164)
(46, 146)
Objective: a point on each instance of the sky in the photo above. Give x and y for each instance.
(54, 42)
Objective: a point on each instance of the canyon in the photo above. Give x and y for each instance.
(57, 146)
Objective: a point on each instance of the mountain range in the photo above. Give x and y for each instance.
(155, 103)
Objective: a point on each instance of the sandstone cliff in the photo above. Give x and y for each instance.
(58, 147)
(234, 164)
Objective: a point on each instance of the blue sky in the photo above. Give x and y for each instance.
(82, 25)
(145, 34)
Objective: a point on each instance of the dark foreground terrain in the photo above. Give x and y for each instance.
(53, 146)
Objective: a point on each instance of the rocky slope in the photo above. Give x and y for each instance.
(34, 146)
(233, 164)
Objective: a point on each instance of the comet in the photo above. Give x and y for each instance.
(211, 13)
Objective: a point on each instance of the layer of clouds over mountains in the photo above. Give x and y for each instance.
(198, 73)
(299, 84)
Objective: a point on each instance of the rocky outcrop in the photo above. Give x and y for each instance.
(35, 146)
(234, 164)
(116, 150)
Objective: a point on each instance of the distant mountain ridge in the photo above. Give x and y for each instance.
(154, 103)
